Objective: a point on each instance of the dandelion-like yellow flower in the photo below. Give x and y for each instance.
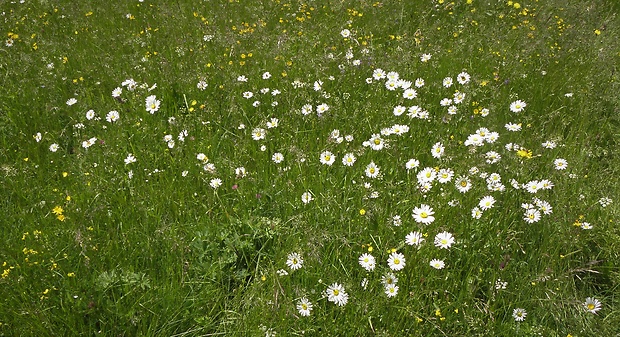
(57, 210)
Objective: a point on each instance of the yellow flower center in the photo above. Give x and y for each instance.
(335, 292)
(590, 306)
(424, 215)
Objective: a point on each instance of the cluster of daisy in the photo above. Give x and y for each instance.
(264, 92)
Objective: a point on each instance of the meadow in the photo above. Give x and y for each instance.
(316, 168)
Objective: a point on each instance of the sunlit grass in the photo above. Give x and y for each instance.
(291, 168)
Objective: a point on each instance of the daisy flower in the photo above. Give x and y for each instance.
(277, 157)
(304, 306)
(294, 261)
(437, 264)
(427, 175)
(117, 92)
(519, 314)
(549, 145)
(517, 106)
(112, 116)
(152, 104)
(414, 239)
(335, 293)
(345, 33)
(391, 85)
(437, 150)
(130, 159)
(445, 175)
(399, 110)
(411, 164)
(258, 134)
(348, 159)
(54, 147)
(531, 215)
(476, 213)
(419, 83)
(423, 214)
(425, 57)
(447, 82)
(391, 290)
(388, 279)
(410, 94)
(372, 170)
(376, 142)
(306, 109)
(486, 202)
(378, 74)
(463, 78)
(463, 184)
(396, 261)
(367, 262)
(321, 109)
(560, 164)
(444, 240)
(266, 75)
(592, 305)
(327, 158)
(513, 127)
(71, 101)
(215, 183)
(306, 197)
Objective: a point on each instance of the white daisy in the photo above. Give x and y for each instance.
(327, 158)
(444, 240)
(423, 214)
(396, 261)
(414, 238)
(294, 261)
(367, 262)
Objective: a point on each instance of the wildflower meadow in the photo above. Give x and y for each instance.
(315, 168)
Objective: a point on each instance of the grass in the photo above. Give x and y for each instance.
(95, 243)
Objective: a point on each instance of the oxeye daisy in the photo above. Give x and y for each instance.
(423, 214)
(367, 261)
(410, 94)
(517, 106)
(388, 279)
(519, 314)
(215, 183)
(294, 261)
(412, 164)
(130, 159)
(304, 306)
(463, 184)
(463, 78)
(336, 294)
(414, 239)
(396, 261)
(372, 170)
(258, 133)
(277, 157)
(391, 290)
(437, 264)
(437, 150)
(560, 164)
(592, 305)
(348, 159)
(306, 197)
(486, 202)
(327, 158)
(152, 104)
(444, 240)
